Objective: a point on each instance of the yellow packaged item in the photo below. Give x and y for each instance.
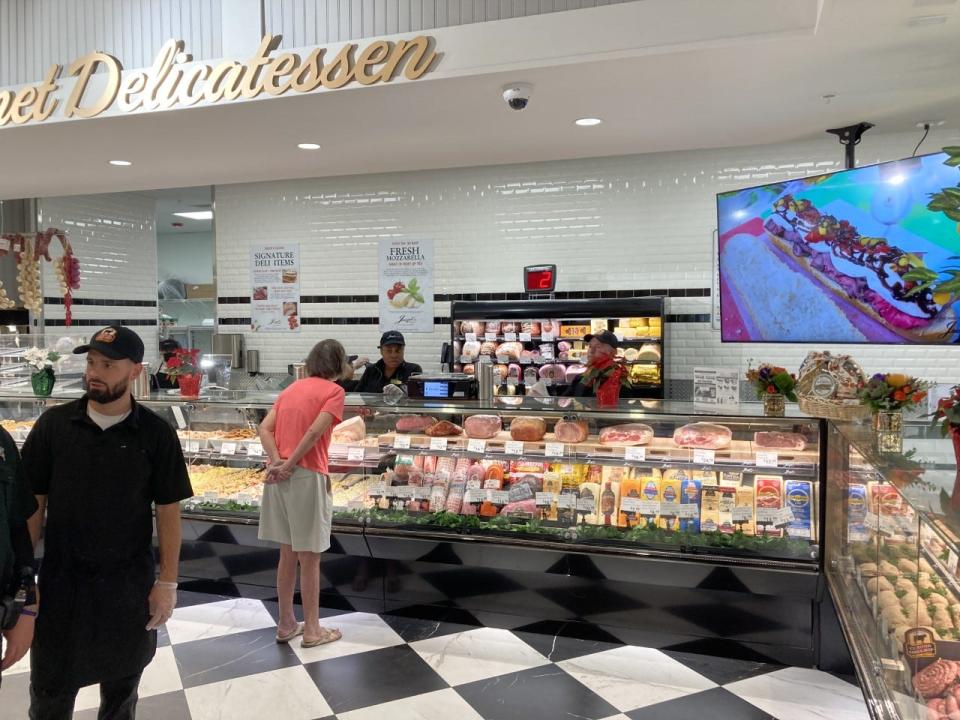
(591, 491)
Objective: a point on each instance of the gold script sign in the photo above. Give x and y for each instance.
(173, 80)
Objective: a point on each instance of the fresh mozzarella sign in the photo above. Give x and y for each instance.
(406, 285)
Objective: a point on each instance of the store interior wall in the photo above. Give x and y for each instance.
(185, 256)
(640, 222)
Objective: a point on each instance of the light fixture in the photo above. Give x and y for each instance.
(308, 146)
(588, 121)
(897, 179)
(924, 20)
(121, 163)
(932, 123)
(196, 215)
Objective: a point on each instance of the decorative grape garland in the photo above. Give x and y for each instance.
(28, 250)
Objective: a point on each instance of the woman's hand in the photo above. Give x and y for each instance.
(279, 472)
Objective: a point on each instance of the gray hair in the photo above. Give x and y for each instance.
(327, 360)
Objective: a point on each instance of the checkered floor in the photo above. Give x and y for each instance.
(218, 659)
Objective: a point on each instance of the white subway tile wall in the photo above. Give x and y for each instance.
(627, 222)
(114, 237)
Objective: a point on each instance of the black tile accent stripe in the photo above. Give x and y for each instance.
(688, 318)
(102, 301)
(680, 318)
(86, 322)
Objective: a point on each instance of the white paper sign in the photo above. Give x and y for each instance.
(783, 516)
(525, 337)
(767, 516)
(586, 505)
(275, 294)
(704, 457)
(355, 454)
(872, 521)
(377, 490)
(632, 505)
(742, 514)
(193, 446)
(513, 447)
(401, 442)
(637, 454)
(670, 509)
(243, 498)
(689, 511)
(554, 449)
(766, 458)
(406, 285)
(254, 449)
(566, 501)
(498, 497)
(421, 493)
(545, 499)
(405, 492)
(649, 508)
(716, 386)
(510, 337)
(952, 560)
(473, 496)
(228, 448)
(476, 446)
(438, 443)
(546, 337)
(470, 337)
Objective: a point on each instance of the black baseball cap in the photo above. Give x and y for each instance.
(392, 337)
(116, 342)
(606, 337)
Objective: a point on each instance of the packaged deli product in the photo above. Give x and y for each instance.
(609, 502)
(526, 479)
(630, 487)
(710, 509)
(769, 496)
(857, 513)
(650, 493)
(798, 496)
(670, 489)
(590, 492)
(728, 501)
(552, 484)
(744, 512)
(690, 496)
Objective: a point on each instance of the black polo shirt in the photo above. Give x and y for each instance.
(17, 504)
(98, 568)
(374, 378)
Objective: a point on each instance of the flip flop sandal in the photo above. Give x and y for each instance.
(290, 635)
(329, 636)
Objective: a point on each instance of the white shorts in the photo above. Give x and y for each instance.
(298, 512)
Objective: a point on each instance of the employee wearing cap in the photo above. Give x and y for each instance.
(599, 345)
(99, 465)
(390, 369)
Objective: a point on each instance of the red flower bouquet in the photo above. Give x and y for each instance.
(605, 376)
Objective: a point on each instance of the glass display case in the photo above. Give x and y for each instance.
(893, 522)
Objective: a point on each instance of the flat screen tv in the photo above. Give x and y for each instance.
(870, 255)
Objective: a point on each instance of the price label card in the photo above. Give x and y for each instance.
(742, 514)
(470, 337)
(689, 511)
(438, 443)
(243, 498)
(193, 446)
(767, 516)
(540, 360)
(952, 560)
(554, 449)
(586, 505)
(510, 337)
(905, 524)
(526, 360)
(704, 457)
(632, 505)
(255, 449)
(421, 493)
(638, 454)
(473, 496)
(648, 508)
(566, 501)
(546, 337)
(228, 448)
(498, 497)
(476, 446)
(391, 491)
(872, 521)
(178, 416)
(525, 337)
(491, 484)
(489, 336)
(766, 458)
(211, 496)
(474, 483)
(513, 447)
(401, 442)
(355, 454)
(405, 492)
(670, 509)
(466, 359)
(545, 499)
(784, 516)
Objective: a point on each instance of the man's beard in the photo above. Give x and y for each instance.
(107, 394)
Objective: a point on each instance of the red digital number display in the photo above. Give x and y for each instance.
(541, 278)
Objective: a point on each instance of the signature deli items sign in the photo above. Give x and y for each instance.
(175, 81)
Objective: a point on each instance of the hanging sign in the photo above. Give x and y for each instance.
(275, 298)
(406, 285)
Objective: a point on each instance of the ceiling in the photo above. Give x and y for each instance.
(180, 200)
(880, 65)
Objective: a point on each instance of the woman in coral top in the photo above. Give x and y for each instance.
(297, 508)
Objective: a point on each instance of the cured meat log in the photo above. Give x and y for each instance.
(528, 429)
(352, 430)
(774, 440)
(627, 434)
(414, 423)
(444, 428)
(571, 431)
(511, 350)
(482, 427)
(703, 435)
(935, 678)
(555, 373)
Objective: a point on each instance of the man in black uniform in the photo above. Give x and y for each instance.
(390, 369)
(99, 465)
(18, 607)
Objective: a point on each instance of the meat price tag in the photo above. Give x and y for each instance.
(402, 442)
(510, 337)
(473, 496)
(178, 416)
(670, 509)
(470, 337)
(767, 516)
(525, 337)
(633, 505)
(905, 524)
(766, 458)
(689, 511)
(513, 447)
(742, 514)
(566, 501)
(952, 562)
(489, 337)
(421, 493)
(648, 508)
(503, 359)
(211, 496)
(405, 491)
(355, 454)
(491, 484)
(193, 446)
(639, 454)
(545, 499)
(436, 443)
(526, 360)
(474, 483)
(783, 516)
(476, 446)
(255, 449)
(498, 497)
(546, 337)
(228, 448)
(376, 490)
(391, 491)
(586, 505)
(704, 457)
(872, 521)
(554, 449)
(466, 359)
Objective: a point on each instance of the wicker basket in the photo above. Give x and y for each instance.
(832, 410)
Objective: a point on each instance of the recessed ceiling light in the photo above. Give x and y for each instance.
(932, 123)
(588, 122)
(196, 215)
(121, 163)
(308, 146)
(924, 20)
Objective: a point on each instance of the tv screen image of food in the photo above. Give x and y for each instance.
(870, 255)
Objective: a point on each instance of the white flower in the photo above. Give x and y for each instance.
(40, 358)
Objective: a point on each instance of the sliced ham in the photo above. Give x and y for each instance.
(528, 429)
(627, 434)
(482, 427)
(571, 431)
(414, 423)
(349, 431)
(773, 440)
(444, 428)
(703, 435)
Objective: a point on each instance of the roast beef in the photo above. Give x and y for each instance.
(482, 427)
(774, 440)
(349, 431)
(528, 429)
(571, 431)
(628, 434)
(703, 435)
(444, 428)
(414, 423)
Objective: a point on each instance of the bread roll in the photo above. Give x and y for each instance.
(886, 568)
(877, 584)
(868, 570)
(907, 566)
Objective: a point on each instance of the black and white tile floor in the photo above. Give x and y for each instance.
(218, 659)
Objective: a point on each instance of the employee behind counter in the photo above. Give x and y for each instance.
(390, 369)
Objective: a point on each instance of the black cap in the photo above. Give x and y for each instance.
(116, 342)
(392, 337)
(606, 337)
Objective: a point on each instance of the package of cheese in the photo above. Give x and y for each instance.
(552, 483)
(609, 502)
(769, 496)
(670, 493)
(690, 497)
(710, 509)
(798, 495)
(631, 488)
(650, 493)
(589, 495)
(728, 501)
(744, 510)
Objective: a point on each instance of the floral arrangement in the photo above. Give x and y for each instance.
(183, 362)
(773, 380)
(41, 359)
(947, 414)
(886, 392)
(605, 368)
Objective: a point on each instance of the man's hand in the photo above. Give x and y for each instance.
(163, 599)
(19, 638)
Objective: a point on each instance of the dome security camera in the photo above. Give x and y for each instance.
(517, 95)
